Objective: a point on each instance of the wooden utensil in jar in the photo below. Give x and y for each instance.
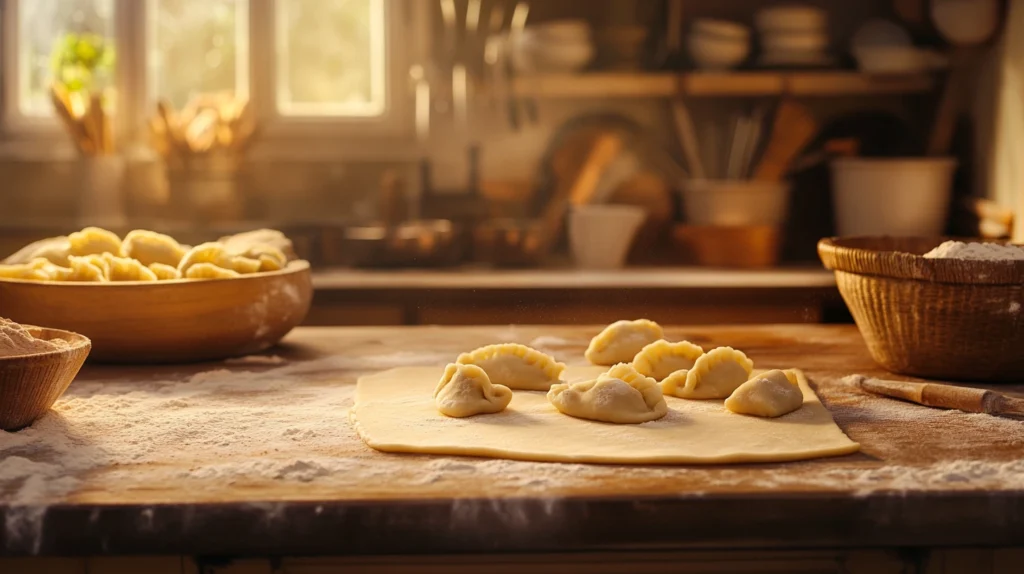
(582, 187)
(792, 129)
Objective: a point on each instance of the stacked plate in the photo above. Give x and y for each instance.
(793, 36)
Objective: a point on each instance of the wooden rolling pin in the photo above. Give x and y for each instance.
(965, 399)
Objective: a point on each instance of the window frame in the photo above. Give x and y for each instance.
(388, 135)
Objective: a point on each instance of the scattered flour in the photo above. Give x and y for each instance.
(976, 251)
(17, 340)
(257, 360)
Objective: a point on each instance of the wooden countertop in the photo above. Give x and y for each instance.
(229, 483)
(635, 278)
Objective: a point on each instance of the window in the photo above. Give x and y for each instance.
(330, 57)
(198, 47)
(72, 38)
(294, 59)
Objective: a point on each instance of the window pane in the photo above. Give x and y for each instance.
(330, 57)
(73, 37)
(198, 47)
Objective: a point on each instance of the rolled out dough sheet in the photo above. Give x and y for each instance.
(394, 412)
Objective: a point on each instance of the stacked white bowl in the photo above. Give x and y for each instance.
(793, 35)
(718, 44)
(563, 46)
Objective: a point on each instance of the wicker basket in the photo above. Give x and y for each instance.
(935, 318)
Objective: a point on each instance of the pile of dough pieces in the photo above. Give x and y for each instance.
(643, 368)
(98, 255)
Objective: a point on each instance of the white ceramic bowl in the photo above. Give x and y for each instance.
(735, 202)
(600, 235)
(900, 196)
(791, 18)
(965, 22)
(531, 54)
(712, 52)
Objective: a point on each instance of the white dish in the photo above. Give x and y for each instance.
(905, 196)
(794, 42)
(791, 18)
(735, 202)
(710, 52)
(965, 22)
(600, 235)
(722, 28)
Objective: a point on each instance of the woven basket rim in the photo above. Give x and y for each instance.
(901, 258)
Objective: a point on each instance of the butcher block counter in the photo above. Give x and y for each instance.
(255, 459)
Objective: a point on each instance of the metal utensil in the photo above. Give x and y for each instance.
(517, 27)
(688, 139)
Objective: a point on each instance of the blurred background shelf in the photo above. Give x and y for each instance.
(697, 84)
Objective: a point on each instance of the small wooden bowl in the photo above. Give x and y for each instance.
(168, 321)
(745, 246)
(30, 384)
(944, 319)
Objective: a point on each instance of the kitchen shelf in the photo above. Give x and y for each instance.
(706, 84)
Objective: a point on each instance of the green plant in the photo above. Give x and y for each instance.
(83, 62)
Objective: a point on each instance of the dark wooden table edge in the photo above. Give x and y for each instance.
(783, 520)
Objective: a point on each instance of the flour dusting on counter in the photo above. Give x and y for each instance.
(255, 420)
(248, 425)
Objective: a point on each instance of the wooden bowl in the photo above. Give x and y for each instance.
(30, 384)
(168, 321)
(945, 319)
(746, 246)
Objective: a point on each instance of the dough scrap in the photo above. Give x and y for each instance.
(622, 340)
(210, 271)
(621, 396)
(216, 254)
(164, 272)
(394, 411)
(662, 358)
(465, 390)
(715, 375)
(771, 394)
(125, 269)
(53, 249)
(95, 241)
(515, 366)
(149, 247)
